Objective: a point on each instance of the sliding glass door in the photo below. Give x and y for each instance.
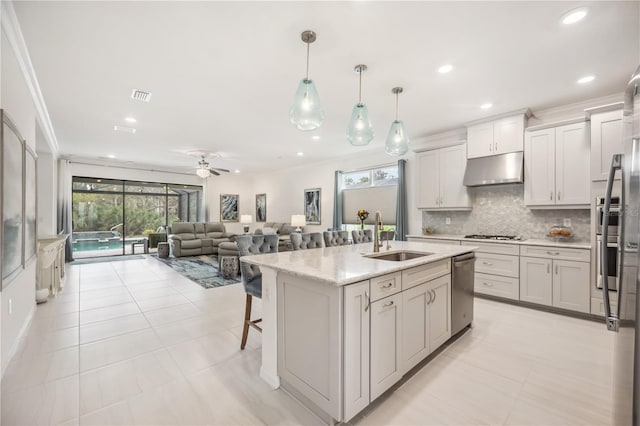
(115, 217)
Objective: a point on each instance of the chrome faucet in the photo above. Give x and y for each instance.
(376, 232)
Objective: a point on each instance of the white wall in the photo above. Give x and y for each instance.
(47, 194)
(16, 100)
(285, 190)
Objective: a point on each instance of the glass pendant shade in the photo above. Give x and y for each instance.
(306, 112)
(397, 140)
(360, 129)
(203, 173)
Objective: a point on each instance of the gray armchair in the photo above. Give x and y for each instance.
(335, 238)
(306, 241)
(251, 274)
(362, 236)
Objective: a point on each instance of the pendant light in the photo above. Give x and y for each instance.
(306, 112)
(360, 130)
(397, 140)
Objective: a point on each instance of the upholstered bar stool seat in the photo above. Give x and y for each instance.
(360, 236)
(306, 241)
(336, 238)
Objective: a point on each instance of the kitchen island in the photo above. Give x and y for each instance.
(340, 326)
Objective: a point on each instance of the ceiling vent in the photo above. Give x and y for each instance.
(124, 129)
(141, 95)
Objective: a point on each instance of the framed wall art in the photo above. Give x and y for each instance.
(261, 207)
(12, 200)
(229, 207)
(30, 204)
(312, 206)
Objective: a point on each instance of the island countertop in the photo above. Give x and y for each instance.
(348, 264)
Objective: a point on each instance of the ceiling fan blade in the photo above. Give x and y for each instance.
(213, 172)
(220, 170)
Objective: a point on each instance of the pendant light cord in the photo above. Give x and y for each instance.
(396, 106)
(307, 77)
(360, 88)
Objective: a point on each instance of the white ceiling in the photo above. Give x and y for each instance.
(223, 74)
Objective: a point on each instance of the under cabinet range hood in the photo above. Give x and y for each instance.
(495, 170)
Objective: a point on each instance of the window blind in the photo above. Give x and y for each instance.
(382, 198)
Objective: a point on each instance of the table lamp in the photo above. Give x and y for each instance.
(246, 219)
(298, 220)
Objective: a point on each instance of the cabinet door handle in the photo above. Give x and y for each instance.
(495, 148)
(556, 269)
(490, 148)
(437, 200)
(389, 303)
(487, 263)
(366, 308)
(558, 195)
(551, 196)
(388, 285)
(487, 284)
(553, 253)
(435, 296)
(548, 268)
(430, 297)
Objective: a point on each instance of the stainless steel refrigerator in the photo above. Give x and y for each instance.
(622, 314)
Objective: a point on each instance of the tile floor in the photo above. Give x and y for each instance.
(133, 342)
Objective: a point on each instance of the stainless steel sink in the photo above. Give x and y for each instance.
(399, 256)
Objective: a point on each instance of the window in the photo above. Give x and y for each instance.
(373, 177)
(373, 190)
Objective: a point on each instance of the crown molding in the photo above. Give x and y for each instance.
(440, 140)
(572, 111)
(11, 28)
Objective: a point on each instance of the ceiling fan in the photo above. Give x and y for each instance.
(204, 171)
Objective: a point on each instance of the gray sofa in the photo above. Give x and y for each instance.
(190, 239)
(283, 230)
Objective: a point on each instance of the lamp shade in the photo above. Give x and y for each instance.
(397, 140)
(298, 220)
(360, 129)
(203, 173)
(306, 112)
(246, 218)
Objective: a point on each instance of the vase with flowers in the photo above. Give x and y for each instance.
(362, 215)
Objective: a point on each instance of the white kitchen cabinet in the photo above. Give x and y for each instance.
(571, 285)
(356, 348)
(606, 140)
(440, 174)
(552, 282)
(536, 285)
(496, 137)
(496, 285)
(386, 344)
(557, 166)
(426, 320)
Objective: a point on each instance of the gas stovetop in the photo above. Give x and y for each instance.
(493, 237)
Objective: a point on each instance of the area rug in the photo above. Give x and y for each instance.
(87, 260)
(201, 269)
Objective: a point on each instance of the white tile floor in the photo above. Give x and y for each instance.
(132, 342)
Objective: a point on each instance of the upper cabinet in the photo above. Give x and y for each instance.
(606, 140)
(496, 137)
(557, 166)
(440, 175)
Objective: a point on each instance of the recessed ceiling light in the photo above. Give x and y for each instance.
(141, 95)
(124, 129)
(130, 120)
(236, 171)
(111, 156)
(586, 79)
(315, 137)
(575, 15)
(445, 69)
(486, 106)
(300, 154)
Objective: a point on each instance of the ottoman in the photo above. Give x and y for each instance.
(228, 249)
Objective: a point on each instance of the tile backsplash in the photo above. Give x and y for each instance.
(500, 210)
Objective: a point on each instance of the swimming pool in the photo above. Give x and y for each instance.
(96, 240)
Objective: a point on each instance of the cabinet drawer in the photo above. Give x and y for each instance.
(497, 264)
(597, 306)
(438, 241)
(497, 248)
(420, 274)
(385, 285)
(580, 255)
(497, 286)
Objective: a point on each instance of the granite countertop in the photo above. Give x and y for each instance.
(346, 264)
(530, 242)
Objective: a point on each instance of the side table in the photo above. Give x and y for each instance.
(163, 250)
(229, 266)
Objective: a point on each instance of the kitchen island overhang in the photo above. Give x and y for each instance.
(305, 314)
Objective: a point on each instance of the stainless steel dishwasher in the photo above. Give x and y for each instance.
(462, 292)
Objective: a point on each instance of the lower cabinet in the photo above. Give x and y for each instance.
(385, 338)
(559, 283)
(386, 344)
(426, 320)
